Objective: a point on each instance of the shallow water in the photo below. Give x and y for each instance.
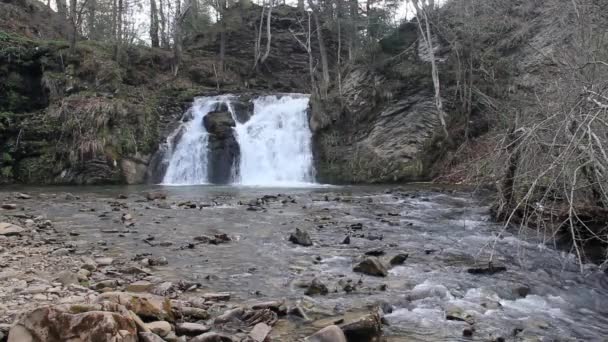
(444, 233)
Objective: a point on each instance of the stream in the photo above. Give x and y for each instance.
(542, 295)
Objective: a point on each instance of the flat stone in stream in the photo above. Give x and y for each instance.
(156, 195)
(191, 329)
(371, 266)
(8, 229)
(9, 206)
(212, 337)
(300, 237)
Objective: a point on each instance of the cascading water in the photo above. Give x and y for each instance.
(275, 144)
(188, 162)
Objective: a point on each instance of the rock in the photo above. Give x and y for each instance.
(66, 278)
(160, 328)
(83, 275)
(106, 284)
(145, 305)
(223, 149)
(88, 264)
(399, 259)
(104, 261)
(346, 241)
(157, 261)
(277, 306)
(21, 195)
(491, 269)
(364, 329)
(8, 229)
(78, 323)
(61, 252)
(139, 286)
(149, 337)
(455, 313)
(191, 329)
(300, 237)
(212, 337)
(522, 291)
(229, 315)
(259, 332)
(156, 195)
(316, 287)
(9, 206)
(375, 252)
(219, 296)
(371, 266)
(331, 333)
(196, 313)
(162, 289)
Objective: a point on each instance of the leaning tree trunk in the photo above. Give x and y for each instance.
(268, 33)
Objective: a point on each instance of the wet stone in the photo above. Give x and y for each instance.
(371, 266)
(398, 259)
(300, 237)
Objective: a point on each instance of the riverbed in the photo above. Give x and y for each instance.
(541, 295)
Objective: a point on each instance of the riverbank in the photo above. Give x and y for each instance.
(414, 259)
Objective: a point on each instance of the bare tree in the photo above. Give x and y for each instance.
(427, 37)
(177, 37)
(154, 24)
(322, 49)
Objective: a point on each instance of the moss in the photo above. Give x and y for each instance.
(7, 158)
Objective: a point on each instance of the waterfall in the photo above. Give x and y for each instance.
(188, 145)
(274, 143)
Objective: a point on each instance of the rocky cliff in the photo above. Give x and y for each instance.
(89, 118)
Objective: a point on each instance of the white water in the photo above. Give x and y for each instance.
(188, 164)
(275, 144)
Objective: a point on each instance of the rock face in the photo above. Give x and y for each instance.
(77, 323)
(386, 120)
(223, 149)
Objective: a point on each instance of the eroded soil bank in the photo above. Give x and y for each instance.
(416, 256)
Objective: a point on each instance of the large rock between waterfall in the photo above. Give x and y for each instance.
(75, 323)
(223, 147)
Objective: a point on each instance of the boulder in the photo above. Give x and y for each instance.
(139, 286)
(145, 305)
(363, 329)
(8, 229)
(398, 259)
(191, 329)
(9, 206)
(300, 237)
(224, 151)
(316, 287)
(160, 328)
(331, 333)
(156, 195)
(75, 323)
(371, 266)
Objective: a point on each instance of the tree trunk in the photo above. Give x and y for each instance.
(62, 9)
(353, 19)
(268, 32)
(222, 12)
(322, 49)
(92, 6)
(428, 40)
(301, 5)
(164, 42)
(74, 22)
(258, 42)
(177, 38)
(154, 24)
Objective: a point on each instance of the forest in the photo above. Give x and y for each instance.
(352, 164)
